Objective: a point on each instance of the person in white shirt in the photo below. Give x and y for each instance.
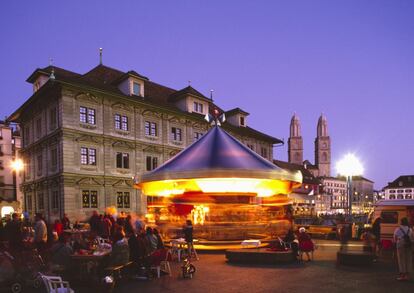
(403, 239)
(40, 232)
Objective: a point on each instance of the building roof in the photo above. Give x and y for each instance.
(402, 182)
(217, 154)
(188, 90)
(105, 78)
(236, 111)
(395, 202)
(357, 178)
(308, 177)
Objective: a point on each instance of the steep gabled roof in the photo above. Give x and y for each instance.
(189, 90)
(236, 111)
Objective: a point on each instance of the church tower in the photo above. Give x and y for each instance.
(295, 152)
(323, 148)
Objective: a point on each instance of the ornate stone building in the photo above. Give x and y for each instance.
(86, 136)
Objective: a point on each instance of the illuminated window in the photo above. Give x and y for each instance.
(123, 200)
(88, 156)
(89, 199)
(121, 122)
(87, 115)
(151, 128)
(176, 134)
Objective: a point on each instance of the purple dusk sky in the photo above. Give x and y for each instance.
(351, 60)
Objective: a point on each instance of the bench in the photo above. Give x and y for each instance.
(354, 258)
(259, 256)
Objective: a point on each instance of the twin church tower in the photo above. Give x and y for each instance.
(322, 166)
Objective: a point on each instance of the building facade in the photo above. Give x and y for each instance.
(401, 188)
(10, 179)
(87, 136)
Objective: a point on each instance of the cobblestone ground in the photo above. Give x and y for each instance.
(214, 274)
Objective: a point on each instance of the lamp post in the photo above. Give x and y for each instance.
(16, 166)
(349, 166)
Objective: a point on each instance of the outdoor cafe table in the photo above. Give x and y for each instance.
(85, 259)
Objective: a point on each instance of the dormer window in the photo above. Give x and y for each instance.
(136, 88)
(198, 107)
(242, 121)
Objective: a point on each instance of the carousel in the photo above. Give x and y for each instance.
(228, 191)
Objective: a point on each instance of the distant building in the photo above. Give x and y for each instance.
(322, 166)
(10, 194)
(86, 136)
(332, 197)
(304, 198)
(400, 188)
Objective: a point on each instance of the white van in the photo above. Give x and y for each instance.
(391, 212)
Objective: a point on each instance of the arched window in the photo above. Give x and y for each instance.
(324, 157)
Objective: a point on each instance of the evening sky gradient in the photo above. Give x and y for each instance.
(351, 60)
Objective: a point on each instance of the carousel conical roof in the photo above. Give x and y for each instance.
(219, 155)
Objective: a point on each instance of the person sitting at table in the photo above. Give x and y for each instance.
(160, 243)
(65, 222)
(290, 238)
(152, 239)
(61, 252)
(58, 227)
(120, 249)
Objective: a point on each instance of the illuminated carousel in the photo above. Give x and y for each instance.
(227, 190)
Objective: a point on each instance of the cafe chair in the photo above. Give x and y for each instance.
(55, 284)
(164, 265)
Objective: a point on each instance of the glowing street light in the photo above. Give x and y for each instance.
(349, 166)
(17, 165)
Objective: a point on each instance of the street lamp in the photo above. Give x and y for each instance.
(349, 166)
(16, 166)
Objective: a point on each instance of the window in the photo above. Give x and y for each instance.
(150, 128)
(198, 107)
(40, 201)
(263, 152)
(87, 115)
(55, 199)
(53, 158)
(136, 89)
(408, 196)
(400, 196)
(121, 122)
(38, 128)
(26, 137)
(52, 116)
(123, 200)
(89, 199)
(27, 167)
(392, 196)
(408, 190)
(176, 134)
(122, 160)
(198, 135)
(242, 121)
(392, 191)
(250, 146)
(39, 164)
(152, 163)
(88, 156)
(389, 217)
(29, 202)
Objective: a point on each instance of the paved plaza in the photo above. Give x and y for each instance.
(214, 274)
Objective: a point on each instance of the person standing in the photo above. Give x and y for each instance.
(188, 236)
(403, 239)
(40, 232)
(305, 243)
(14, 232)
(376, 230)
